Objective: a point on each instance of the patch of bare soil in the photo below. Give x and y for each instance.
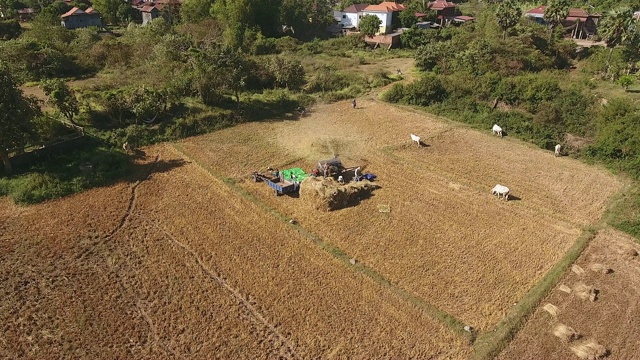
(607, 325)
(38, 93)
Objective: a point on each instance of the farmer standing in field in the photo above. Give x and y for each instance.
(353, 103)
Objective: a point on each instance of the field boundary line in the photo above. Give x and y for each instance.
(234, 292)
(443, 317)
(489, 344)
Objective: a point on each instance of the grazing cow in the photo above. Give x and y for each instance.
(496, 130)
(558, 148)
(415, 138)
(500, 190)
(126, 147)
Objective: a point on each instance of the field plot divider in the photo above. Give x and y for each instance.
(489, 344)
(445, 318)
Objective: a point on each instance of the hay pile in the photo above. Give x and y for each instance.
(589, 349)
(600, 268)
(585, 292)
(551, 309)
(565, 333)
(577, 269)
(565, 288)
(326, 194)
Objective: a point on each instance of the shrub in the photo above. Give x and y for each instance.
(395, 94)
(424, 92)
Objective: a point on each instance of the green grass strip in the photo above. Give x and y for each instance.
(489, 344)
(451, 322)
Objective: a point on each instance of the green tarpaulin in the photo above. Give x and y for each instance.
(299, 174)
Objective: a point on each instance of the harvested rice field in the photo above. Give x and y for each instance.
(611, 266)
(190, 258)
(446, 239)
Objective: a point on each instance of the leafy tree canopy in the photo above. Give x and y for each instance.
(370, 25)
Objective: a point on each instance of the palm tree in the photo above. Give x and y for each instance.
(616, 28)
(555, 12)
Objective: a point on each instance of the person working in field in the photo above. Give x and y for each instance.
(353, 103)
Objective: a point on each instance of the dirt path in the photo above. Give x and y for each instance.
(132, 201)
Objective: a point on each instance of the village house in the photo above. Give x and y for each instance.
(350, 16)
(77, 18)
(149, 12)
(578, 25)
(446, 12)
(387, 12)
(153, 9)
(26, 14)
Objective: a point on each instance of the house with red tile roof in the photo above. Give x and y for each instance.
(150, 12)
(579, 24)
(387, 12)
(77, 18)
(446, 12)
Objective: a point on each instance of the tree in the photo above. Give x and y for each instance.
(408, 18)
(508, 14)
(8, 9)
(62, 97)
(617, 27)
(287, 73)
(195, 10)
(109, 9)
(370, 25)
(625, 81)
(307, 18)
(17, 114)
(240, 15)
(555, 12)
(346, 3)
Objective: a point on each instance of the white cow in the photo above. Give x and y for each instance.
(496, 130)
(415, 138)
(501, 190)
(558, 148)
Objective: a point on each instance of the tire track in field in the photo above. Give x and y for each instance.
(132, 201)
(257, 316)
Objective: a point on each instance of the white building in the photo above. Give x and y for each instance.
(384, 11)
(350, 16)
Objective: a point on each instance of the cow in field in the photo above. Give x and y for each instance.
(501, 190)
(496, 130)
(415, 138)
(557, 150)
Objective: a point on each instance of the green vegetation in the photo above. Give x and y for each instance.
(65, 174)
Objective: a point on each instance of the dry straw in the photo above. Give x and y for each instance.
(565, 288)
(585, 292)
(565, 333)
(589, 350)
(600, 268)
(577, 269)
(551, 309)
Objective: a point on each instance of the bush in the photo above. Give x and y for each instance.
(10, 30)
(395, 94)
(424, 92)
